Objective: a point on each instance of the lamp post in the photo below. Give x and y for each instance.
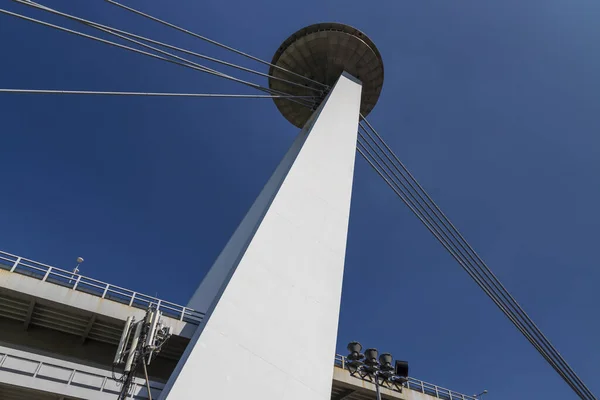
(79, 261)
(372, 367)
(478, 396)
(76, 269)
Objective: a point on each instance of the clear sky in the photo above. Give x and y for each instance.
(493, 105)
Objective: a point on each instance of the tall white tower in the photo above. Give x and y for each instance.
(272, 297)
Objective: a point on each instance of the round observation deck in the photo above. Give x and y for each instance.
(321, 52)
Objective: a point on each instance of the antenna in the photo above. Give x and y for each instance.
(147, 340)
(123, 341)
(154, 316)
(134, 343)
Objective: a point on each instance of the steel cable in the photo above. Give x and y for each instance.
(184, 64)
(478, 260)
(543, 348)
(445, 221)
(150, 94)
(214, 42)
(185, 61)
(376, 165)
(113, 30)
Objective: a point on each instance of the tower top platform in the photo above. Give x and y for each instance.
(322, 52)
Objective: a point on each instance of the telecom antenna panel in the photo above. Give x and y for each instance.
(140, 342)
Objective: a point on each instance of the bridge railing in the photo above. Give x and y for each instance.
(57, 276)
(418, 385)
(85, 380)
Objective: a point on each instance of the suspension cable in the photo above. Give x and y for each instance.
(368, 156)
(185, 61)
(214, 42)
(112, 30)
(151, 94)
(498, 287)
(442, 236)
(452, 230)
(192, 65)
(478, 261)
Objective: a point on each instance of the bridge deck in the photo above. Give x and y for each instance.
(60, 331)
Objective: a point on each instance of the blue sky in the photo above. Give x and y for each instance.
(493, 106)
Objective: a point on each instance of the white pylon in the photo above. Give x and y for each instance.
(272, 298)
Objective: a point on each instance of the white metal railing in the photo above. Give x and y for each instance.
(83, 379)
(419, 385)
(57, 276)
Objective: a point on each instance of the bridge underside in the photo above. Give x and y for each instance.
(9, 392)
(51, 328)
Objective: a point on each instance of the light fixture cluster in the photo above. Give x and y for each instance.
(380, 370)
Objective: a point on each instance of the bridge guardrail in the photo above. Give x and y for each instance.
(57, 276)
(419, 385)
(73, 375)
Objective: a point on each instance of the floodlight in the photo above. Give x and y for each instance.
(401, 368)
(354, 348)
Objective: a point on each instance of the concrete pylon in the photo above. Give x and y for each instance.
(272, 298)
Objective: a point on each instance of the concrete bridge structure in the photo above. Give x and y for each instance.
(59, 332)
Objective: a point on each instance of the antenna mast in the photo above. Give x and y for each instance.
(140, 342)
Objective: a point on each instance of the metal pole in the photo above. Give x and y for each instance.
(377, 386)
(126, 385)
(147, 381)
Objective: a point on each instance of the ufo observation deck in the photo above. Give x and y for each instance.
(321, 52)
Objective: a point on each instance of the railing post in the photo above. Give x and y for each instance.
(437, 393)
(4, 357)
(423, 387)
(77, 282)
(103, 383)
(132, 297)
(343, 362)
(450, 393)
(105, 290)
(158, 304)
(37, 369)
(182, 313)
(18, 260)
(47, 273)
(72, 376)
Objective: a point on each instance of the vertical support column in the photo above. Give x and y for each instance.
(272, 298)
